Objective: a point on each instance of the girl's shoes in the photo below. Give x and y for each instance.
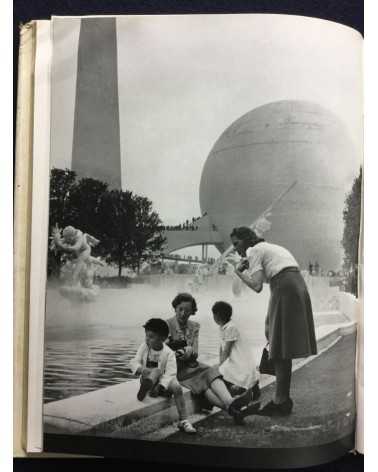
(186, 427)
(235, 408)
(236, 414)
(251, 409)
(277, 409)
(242, 400)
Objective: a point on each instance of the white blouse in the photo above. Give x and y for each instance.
(240, 367)
(270, 258)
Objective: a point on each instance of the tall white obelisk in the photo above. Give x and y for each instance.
(96, 149)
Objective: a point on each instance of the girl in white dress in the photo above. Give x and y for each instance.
(236, 359)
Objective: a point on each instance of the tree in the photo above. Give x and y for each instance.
(125, 223)
(118, 221)
(351, 235)
(147, 236)
(130, 228)
(62, 182)
(74, 203)
(85, 203)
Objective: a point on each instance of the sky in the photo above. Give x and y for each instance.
(182, 80)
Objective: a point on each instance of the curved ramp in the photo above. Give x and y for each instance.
(205, 233)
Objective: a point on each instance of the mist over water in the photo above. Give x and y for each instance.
(89, 345)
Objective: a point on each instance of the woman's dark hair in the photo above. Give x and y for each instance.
(223, 310)
(184, 297)
(158, 326)
(247, 235)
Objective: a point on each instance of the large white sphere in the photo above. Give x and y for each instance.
(260, 155)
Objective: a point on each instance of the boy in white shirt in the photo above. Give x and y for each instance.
(155, 362)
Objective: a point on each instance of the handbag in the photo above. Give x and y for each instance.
(266, 364)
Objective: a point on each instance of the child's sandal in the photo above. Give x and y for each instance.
(186, 427)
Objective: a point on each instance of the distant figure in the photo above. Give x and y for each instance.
(130, 273)
(76, 244)
(310, 268)
(145, 267)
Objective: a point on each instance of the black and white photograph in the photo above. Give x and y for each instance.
(203, 237)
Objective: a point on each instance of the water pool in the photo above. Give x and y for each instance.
(89, 346)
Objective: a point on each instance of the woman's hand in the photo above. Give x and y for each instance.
(185, 354)
(188, 352)
(242, 266)
(233, 259)
(180, 353)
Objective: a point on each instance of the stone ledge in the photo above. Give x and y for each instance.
(107, 410)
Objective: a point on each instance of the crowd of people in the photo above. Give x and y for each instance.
(180, 265)
(346, 280)
(188, 225)
(315, 270)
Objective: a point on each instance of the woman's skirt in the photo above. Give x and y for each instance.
(290, 321)
(198, 379)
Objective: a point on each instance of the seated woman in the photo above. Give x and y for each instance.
(199, 378)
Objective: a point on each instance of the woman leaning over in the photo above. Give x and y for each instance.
(289, 325)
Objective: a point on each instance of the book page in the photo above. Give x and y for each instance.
(360, 343)
(201, 168)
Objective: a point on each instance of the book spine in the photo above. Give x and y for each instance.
(21, 243)
(39, 234)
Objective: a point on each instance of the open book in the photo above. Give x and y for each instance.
(188, 204)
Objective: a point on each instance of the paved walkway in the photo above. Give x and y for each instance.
(323, 394)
